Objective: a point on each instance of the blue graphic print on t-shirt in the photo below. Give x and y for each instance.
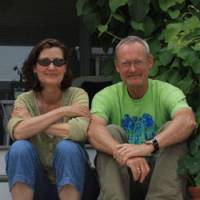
(139, 129)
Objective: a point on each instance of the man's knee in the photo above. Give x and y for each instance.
(117, 133)
(165, 180)
(175, 150)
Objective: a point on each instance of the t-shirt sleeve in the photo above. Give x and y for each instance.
(102, 104)
(13, 121)
(174, 99)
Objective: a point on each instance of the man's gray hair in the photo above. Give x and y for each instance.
(132, 39)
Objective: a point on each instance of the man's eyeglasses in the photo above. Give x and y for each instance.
(58, 62)
(136, 63)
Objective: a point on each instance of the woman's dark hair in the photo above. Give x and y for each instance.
(30, 79)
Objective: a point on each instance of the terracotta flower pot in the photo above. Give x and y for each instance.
(195, 192)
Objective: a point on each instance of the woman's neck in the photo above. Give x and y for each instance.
(50, 96)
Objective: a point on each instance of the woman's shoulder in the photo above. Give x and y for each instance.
(26, 95)
(25, 98)
(72, 90)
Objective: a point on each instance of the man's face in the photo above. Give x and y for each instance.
(133, 64)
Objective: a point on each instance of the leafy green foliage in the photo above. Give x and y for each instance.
(189, 165)
(165, 5)
(115, 4)
(138, 9)
(172, 28)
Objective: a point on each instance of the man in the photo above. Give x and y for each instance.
(127, 118)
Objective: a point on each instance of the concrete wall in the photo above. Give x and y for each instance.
(11, 56)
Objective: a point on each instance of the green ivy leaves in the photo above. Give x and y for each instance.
(115, 4)
(165, 5)
(138, 9)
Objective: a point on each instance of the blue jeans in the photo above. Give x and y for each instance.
(23, 165)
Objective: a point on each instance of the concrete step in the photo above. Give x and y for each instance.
(3, 150)
(4, 191)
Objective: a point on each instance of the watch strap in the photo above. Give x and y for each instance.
(155, 145)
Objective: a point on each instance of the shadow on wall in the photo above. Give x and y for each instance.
(92, 84)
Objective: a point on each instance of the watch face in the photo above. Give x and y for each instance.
(155, 144)
(149, 142)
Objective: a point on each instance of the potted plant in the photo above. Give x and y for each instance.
(189, 166)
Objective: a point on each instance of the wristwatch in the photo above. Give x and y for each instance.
(155, 144)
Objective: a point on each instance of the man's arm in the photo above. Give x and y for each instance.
(99, 136)
(181, 127)
(178, 130)
(102, 140)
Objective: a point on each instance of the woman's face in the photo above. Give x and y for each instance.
(50, 67)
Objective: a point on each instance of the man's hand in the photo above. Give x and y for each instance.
(139, 168)
(123, 152)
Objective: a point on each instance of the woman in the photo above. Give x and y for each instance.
(48, 123)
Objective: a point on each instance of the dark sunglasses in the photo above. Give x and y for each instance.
(58, 62)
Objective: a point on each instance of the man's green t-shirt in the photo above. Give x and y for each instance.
(140, 118)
